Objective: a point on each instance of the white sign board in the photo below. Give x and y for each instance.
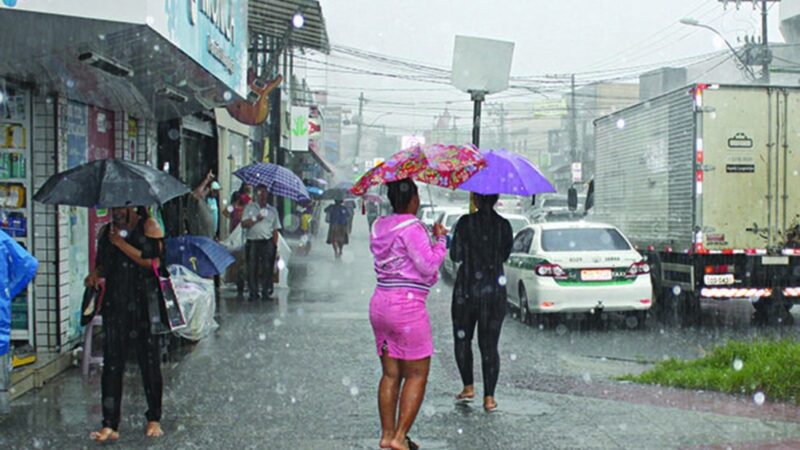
(411, 140)
(577, 172)
(481, 64)
(299, 129)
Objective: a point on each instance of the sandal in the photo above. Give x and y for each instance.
(411, 444)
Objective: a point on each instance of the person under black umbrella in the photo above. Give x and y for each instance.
(127, 251)
(482, 242)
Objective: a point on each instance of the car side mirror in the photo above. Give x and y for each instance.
(572, 199)
(533, 200)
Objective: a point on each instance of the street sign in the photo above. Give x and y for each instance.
(481, 65)
(577, 172)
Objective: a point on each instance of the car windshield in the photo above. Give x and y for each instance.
(583, 239)
(555, 203)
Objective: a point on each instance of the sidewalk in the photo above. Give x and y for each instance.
(301, 373)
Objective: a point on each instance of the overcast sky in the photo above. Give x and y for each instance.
(561, 36)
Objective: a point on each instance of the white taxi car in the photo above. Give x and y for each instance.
(576, 267)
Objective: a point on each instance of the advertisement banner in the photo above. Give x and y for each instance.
(299, 129)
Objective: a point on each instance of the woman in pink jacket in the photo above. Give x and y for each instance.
(407, 265)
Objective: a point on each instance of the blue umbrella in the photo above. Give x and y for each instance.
(277, 179)
(313, 190)
(507, 173)
(202, 255)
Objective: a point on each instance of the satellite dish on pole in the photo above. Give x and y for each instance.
(481, 65)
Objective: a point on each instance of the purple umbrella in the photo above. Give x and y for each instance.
(507, 173)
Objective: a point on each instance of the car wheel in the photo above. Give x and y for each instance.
(524, 312)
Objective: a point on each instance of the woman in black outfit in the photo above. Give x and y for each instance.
(482, 243)
(126, 251)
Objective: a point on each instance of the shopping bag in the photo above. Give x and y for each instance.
(171, 313)
(92, 302)
(235, 241)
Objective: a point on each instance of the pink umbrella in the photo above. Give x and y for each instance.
(440, 165)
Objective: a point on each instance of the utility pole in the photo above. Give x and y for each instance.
(573, 130)
(765, 42)
(361, 101)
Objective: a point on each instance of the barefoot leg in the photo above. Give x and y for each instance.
(153, 429)
(415, 375)
(105, 434)
(388, 393)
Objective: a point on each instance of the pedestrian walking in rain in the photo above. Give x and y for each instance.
(338, 216)
(128, 250)
(406, 265)
(482, 242)
(261, 223)
(202, 210)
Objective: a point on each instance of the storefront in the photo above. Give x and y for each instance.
(82, 91)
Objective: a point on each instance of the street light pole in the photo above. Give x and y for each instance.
(765, 42)
(696, 23)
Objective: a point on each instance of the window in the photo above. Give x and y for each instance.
(517, 224)
(583, 239)
(522, 243)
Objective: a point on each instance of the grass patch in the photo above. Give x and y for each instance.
(768, 366)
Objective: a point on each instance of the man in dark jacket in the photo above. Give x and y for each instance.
(482, 242)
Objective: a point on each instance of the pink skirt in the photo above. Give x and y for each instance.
(400, 323)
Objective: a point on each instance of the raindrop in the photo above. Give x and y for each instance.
(294, 400)
(541, 326)
(248, 355)
(759, 398)
(461, 334)
(230, 209)
(354, 391)
(502, 280)
(277, 323)
(460, 431)
(280, 389)
(150, 20)
(123, 234)
(346, 381)
(795, 173)
(181, 428)
(227, 96)
(621, 123)
(70, 83)
(300, 311)
(572, 244)
(174, 134)
(561, 329)
(513, 356)
(738, 364)
(102, 37)
(37, 443)
(262, 336)
(631, 321)
(676, 291)
(429, 411)
(587, 378)
(156, 47)
(281, 264)
(230, 398)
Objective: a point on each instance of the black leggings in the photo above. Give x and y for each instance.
(487, 309)
(121, 332)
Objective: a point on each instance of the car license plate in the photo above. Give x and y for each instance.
(596, 275)
(718, 280)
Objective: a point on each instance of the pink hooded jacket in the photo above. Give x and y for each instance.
(404, 256)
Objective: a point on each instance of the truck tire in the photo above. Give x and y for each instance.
(689, 311)
(771, 311)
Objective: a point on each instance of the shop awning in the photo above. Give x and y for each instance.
(154, 79)
(272, 17)
(322, 161)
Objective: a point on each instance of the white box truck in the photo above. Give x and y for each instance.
(704, 180)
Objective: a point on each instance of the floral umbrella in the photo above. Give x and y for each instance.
(440, 165)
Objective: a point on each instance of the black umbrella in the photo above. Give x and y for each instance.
(110, 183)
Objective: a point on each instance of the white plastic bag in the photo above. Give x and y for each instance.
(235, 241)
(196, 298)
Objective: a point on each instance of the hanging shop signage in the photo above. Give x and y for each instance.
(299, 129)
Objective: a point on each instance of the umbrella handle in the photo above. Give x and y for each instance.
(193, 260)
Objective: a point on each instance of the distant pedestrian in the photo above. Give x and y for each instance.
(406, 265)
(350, 204)
(481, 243)
(338, 216)
(261, 222)
(373, 211)
(128, 251)
(234, 212)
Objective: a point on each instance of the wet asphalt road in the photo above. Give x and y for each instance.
(300, 372)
